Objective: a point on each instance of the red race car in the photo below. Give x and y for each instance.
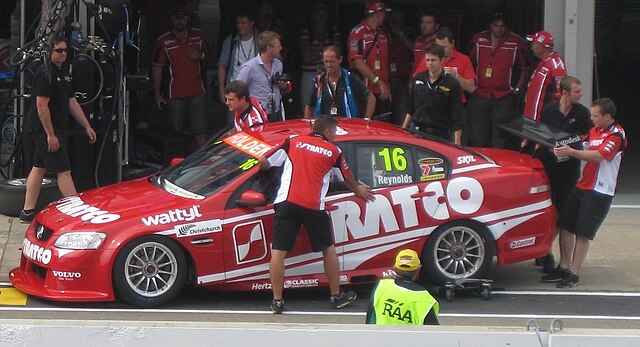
(208, 219)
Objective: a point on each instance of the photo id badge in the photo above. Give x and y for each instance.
(488, 72)
(377, 65)
(334, 110)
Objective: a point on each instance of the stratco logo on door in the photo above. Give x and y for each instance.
(250, 241)
(172, 216)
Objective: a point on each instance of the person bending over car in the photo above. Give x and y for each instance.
(308, 161)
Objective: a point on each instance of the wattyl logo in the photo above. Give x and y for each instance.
(73, 206)
(172, 216)
(199, 228)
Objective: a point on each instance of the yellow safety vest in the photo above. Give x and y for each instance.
(393, 304)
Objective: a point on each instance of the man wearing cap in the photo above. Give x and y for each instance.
(544, 85)
(369, 53)
(496, 54)
(400, 300)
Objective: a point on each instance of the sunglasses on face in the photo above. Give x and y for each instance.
(60, 50)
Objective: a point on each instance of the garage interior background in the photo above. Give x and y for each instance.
(617, 52)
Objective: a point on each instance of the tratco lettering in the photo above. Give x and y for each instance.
(314, 149)
(463, 195)
(74, 206)
(35, 252)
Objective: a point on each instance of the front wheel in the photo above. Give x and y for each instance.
(457, 250)
(149, 271)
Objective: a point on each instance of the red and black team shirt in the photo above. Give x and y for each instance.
(602, 176)
(372, 45)
(186, 76)
(495, 66)
(309, 161)
(544, 86)
(253, 116)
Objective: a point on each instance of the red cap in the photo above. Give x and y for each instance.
(375, 6)
(544, 37)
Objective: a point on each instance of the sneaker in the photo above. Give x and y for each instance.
(277, 306)
(27, 217)
(569, 281)
(343, 299)
(549, 264)
(556, 275)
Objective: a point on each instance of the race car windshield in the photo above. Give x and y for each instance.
(206, 171)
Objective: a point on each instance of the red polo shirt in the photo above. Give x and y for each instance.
(363, 39)
(185, 75)
(421, 43)
(495, 66)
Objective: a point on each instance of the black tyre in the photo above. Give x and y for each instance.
(12, 195)
(457, 250)
(149, 271)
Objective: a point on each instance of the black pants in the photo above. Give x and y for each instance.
(485, 116)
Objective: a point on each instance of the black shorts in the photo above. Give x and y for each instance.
(287, 221)
(57, 161)
(584, 212)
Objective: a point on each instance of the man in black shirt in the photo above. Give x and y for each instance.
(570, 116)
(48, 121)
(436, 107)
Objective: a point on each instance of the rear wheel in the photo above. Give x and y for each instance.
(149, 271)
(457, 250)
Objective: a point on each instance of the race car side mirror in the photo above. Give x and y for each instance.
(251, 198)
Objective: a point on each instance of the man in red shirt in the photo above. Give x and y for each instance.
(429, 26)
(496, 53)
(369, 53)
(248, 113)
(309, 161)
(589, 202)
(182, 51)
(544, 85)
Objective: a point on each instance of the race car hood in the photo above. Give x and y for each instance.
(508, 158)
(110, 205)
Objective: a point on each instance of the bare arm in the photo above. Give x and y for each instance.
(361, 190)
(222, 77)
(586, 155)
(371, 106)
(78, 115)
(407, 120)
(468, 85)
(369, 74)
(264, 163)
(308, 113)
(42, 105)
(457, 137)
(157, 83)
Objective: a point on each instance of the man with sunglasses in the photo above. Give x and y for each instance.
(47, 122)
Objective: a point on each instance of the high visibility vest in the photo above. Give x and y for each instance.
(393, 304)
